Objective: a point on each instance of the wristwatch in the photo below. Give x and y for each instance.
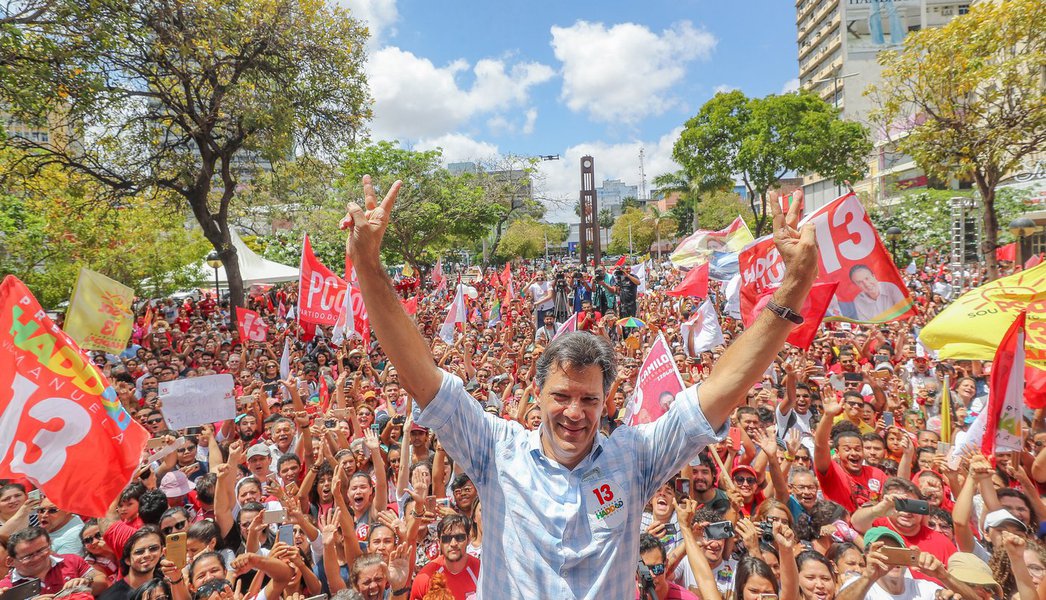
(785, 312)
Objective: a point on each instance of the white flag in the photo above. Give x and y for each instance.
(346, 320)
(911, 269)
(702, 331)
(733, 297)
(455, 315)
(639, 272)
(567, 326)
(285, 359)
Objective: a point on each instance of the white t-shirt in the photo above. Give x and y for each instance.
(801, 422)
(538, 291)
(724, 575)
(914, 589)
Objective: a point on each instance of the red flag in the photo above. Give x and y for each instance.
(1007, 252)
(1003, 424)
(1034, 387)
(813, 311)
(61, 424)
(1032, 262)
(410, 305)
(850, 253)
(321, 293)
(252, 327)
(506, 280)
(694, 284)
(656, 387)
(621, 261)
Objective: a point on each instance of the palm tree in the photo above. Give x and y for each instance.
(606, 220)
(656, 216)
(692, 189)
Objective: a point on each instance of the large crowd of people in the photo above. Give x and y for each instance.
(501, 468)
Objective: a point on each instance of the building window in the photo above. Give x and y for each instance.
(964, 9)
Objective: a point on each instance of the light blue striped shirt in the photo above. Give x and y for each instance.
(550, 532)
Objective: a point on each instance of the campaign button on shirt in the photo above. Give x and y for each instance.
(603, 499)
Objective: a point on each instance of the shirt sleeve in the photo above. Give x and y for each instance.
(468, 433)
(118, 534)
(666, 445)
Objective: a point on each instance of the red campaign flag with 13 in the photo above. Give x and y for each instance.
(851, 254)
(813, 311)
(657, 385)
(61, 424)
(251, 326)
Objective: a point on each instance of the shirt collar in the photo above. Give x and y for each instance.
(16, 576)
(533, 443)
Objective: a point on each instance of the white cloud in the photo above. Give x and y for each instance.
(413, 98)
(377, 15)
(625, 72)
(723, 87)
(792, 85)
(532, 117)
(561, 180)
(459, 148)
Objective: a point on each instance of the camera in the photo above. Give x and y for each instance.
(766, 532)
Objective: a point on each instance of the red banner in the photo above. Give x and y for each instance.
(61, 425)
(657, 385)
(252, 327)
(321, 293)
(813, 312)
(851, 254)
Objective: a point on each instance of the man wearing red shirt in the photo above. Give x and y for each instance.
(460, 570)
(31, 558)
(846, 480)
(911, 526)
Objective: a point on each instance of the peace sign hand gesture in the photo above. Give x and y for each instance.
(798, 248)
(367, 225)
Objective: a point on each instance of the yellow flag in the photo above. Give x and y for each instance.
(972, 326)
(100, 316)
(408, 271)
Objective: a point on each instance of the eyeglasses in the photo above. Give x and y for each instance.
(745, 480)
(178, 526)
(47, 511)
(147, 550)
(91, 538)
(855, 403)
(154, 420)
(1037, 570)
(656, 570)
(452, 537)
(35, 555)
(799, 457)
(804, 488)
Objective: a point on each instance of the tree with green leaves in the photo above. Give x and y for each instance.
(508, 181)
(761, 140)
(630, 202)
(968, 98)
(692, 192)
(160, 100)
(632, 233)
(526, 238)
(606, 219)
(434, 206)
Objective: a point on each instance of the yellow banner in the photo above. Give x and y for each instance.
(100, 316)
(973, 326)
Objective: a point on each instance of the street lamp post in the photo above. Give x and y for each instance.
(893, 234)
(214, 261)
(1021, 227)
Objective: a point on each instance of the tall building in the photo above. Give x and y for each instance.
(839, 41)
(613, 192)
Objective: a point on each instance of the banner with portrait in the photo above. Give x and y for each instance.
(851, 254)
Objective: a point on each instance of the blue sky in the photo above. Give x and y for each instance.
(484, 79)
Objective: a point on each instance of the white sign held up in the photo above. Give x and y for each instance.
(198, 400)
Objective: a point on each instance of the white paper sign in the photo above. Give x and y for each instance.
(198, 400)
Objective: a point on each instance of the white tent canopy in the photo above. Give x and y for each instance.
(253, 268)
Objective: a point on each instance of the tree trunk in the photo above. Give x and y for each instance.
(989, 241)
(760, 216)
(658, 231)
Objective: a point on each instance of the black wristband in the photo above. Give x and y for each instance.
(405, 590)
(784, 312)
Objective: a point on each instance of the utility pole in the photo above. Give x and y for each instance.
(642, 176)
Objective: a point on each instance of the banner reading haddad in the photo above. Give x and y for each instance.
(61, 425)
(656, 387)
(851, 254)
(99, 316)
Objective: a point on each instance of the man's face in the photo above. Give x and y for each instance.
(928, 439)
(571, 406)
(259, 466)
(748, 422)
(874, 450)
(289, 471)
(847, 362)
(453, 542)
(804, 488)
(907, 523)
(206, 570)
(50, 516)
(866, 282)
(418, 439)
(146, 554)
(653, 560)
(32, 557)
(283, 435)
(247, 427)
(802, 401)
(549, 319)
(854, 408)
(1016, 507)
(850, 453)
(701, 478)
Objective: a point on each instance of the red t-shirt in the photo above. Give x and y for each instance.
(849, 490)
(462, 585)
(927, 540)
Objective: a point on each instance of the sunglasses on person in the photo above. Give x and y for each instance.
(154, 421)
(745, 480)
(452, 537)
(91, 539)
(177, 526)
(50, 510)
(656, 570)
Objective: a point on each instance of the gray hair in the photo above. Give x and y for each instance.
(795, 472)
(578, 349)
